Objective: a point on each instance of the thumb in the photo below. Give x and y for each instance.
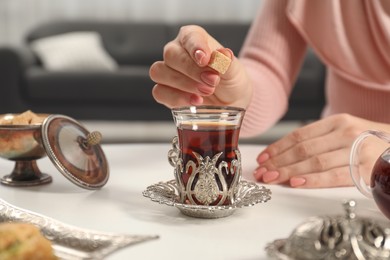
(227, 52)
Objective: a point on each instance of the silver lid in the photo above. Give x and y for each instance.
(75, 151)
(337, 237)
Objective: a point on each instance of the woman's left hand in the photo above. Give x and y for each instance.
(317, 155)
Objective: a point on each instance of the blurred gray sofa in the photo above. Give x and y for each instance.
(125, 93)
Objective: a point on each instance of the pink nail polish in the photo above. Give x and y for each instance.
(263, 157)
(297, 181)
(210, 78)
(270, 176)
(199, 56)
(258, 173)
(196, 100)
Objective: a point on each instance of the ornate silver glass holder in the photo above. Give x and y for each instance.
(70, 242)
(206, 194)
(208, 182)
(334, 238)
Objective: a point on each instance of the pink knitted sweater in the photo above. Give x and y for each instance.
(351, 37)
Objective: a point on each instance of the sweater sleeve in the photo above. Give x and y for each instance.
(272, 55)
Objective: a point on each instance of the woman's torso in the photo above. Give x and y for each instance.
(352, 37)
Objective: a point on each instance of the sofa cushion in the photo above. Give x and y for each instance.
(75, 51)
(127, 43)
(127, 84)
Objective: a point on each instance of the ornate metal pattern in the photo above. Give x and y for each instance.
(202, 186)
(71, 242)
(334, 238)
(247, 194)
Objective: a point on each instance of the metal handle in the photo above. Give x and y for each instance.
(93, 138)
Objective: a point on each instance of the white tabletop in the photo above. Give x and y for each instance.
(120, 207)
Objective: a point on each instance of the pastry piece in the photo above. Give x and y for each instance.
(24, 241)
(220, 62)
(36, 120)
(6, 119)
(25, 118)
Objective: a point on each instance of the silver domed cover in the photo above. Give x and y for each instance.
(337, 237)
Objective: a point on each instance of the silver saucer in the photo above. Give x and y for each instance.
(248, 194)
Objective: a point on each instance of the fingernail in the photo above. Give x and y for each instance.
(270, 176)
(258, 173)
(196, 100)
(210, 78)
(228, 52)
(263, 157)
(297, 181)
(199, 56)
(231, 54)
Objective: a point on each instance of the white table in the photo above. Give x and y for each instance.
(120, 207)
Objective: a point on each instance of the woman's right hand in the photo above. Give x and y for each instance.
(183, 77)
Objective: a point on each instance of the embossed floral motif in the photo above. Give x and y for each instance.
(207, 183)
(174, 153)
(206, 188)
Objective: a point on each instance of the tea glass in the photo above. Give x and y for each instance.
(205, 154)
(379, 178)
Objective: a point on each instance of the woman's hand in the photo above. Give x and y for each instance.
(183, 77)
(317, 155)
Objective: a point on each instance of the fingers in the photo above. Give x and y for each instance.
(308, 141)
(306, 159)
(165, 75)
(182, 69)
(317, 129)
(337, 177)
(171, 97)
(313, 157)
(176, 57)
(319, 163)
(187, 79)
(181, 78)
(324, 163)
(196, 41)
(304, 150)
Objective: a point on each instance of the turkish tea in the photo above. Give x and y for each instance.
(212, 141)
(380, 184)
(209, 165)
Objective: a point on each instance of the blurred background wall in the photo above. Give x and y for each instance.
(18, 16)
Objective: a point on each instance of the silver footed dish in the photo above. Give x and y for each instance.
(248, 194)
(71, 242)
(339, 237)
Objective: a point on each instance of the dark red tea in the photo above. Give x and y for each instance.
(208, 141)
(380, 184)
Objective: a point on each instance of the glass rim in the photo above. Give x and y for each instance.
(207, 109)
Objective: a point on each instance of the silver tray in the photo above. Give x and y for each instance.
(248, 194)
(70, 242)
